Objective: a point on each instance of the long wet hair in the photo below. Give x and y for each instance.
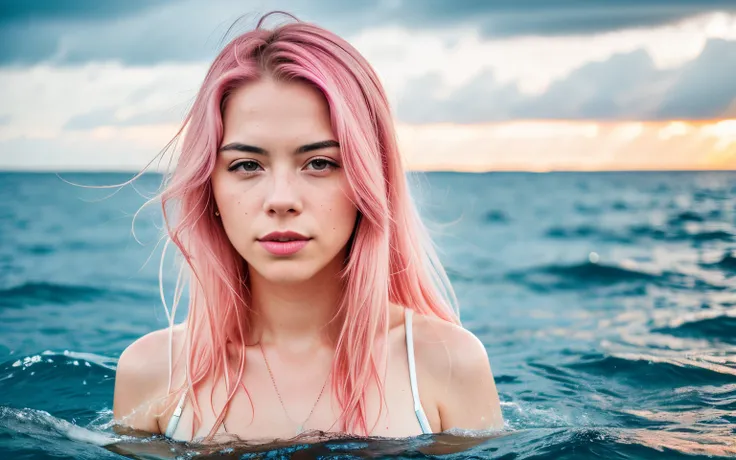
(391, 258)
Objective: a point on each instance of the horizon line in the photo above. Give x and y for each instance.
(408, 170)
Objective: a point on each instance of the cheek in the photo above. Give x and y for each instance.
(230, 195)
(338, 215)
(236, 209)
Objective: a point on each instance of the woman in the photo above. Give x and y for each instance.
(316, 299)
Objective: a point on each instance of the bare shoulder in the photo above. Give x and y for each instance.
(447, 351)
(460, 378)
(141, 379)
(455, 341)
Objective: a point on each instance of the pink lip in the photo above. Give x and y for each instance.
(283, 248)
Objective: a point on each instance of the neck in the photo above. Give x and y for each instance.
(300, 317)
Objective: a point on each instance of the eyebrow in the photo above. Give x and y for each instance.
(303, 149)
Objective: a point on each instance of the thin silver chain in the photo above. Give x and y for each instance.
(300, 427)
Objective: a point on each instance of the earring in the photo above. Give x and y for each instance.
(217, 213)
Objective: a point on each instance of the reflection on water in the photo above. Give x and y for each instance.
(606, 302)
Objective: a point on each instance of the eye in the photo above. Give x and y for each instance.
(246, 166)
(322, 164)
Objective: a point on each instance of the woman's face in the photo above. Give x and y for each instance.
(279, 169)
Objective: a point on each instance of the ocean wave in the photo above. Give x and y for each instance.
(36, 249)
(620, 206)
(650, 370)
(720, 397)
(504, 379)
(678, 234)
(589, 232)
(721, 327)
(685, 217)
(34, 293)
(580, 275)
(582, 231)
(50, 380)
(727, 262)
(708, 194)
(713, 235)
(41, 424)
(690, 443)
(76, 369)
(42, 292)
(496, 216)
(673, 233)
(583, 208)
(50, 359)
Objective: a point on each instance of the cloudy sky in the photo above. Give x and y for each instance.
(475, 85)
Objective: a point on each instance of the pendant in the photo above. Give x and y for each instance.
(300, 429)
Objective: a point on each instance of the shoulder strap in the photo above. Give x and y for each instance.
(174, 420)
(418, 409)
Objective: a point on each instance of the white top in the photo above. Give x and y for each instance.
(418, 409)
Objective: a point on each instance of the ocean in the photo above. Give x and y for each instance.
(606, 302)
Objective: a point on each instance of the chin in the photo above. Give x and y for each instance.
(285, 271)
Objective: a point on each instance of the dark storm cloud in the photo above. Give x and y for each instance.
(38, 10)
(624, 87)
(705, 87)
(563, 17)
(139, 33)
(148, 31)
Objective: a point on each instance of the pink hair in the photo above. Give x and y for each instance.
(391, 258)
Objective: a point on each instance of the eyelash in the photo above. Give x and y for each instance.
(330, 164)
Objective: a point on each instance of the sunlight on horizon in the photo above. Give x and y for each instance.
(548, 145)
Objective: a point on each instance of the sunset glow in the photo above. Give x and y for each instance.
(571, 145)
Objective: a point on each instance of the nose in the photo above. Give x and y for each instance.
(282, 196)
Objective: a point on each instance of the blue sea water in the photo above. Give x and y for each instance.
(606, 302)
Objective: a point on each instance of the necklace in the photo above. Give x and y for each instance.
(300, 426)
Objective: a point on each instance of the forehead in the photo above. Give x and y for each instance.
(266, 110)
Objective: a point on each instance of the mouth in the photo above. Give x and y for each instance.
(283, 237)
(283, 243)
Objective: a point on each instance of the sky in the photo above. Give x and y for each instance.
(475, 85)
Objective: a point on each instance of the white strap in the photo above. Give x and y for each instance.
(174, 420)
(418, 409)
